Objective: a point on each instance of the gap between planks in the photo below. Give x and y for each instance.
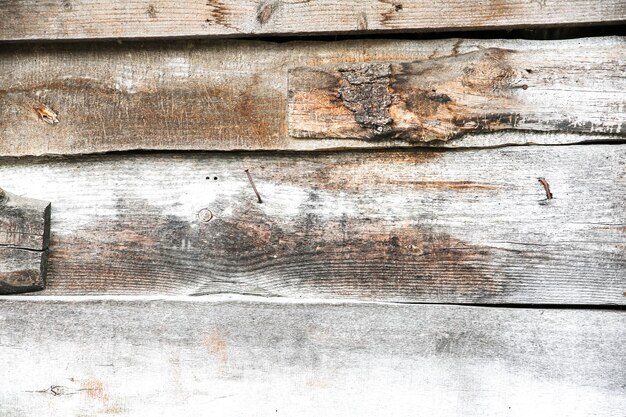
(254, 299)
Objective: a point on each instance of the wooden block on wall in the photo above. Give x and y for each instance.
(24, 239)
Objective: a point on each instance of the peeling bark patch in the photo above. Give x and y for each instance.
(365, 91)
(217, 346)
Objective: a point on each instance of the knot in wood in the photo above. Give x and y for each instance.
(3, 197)
(365, 91)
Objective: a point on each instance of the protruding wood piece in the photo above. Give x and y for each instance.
(24, 237)
(441, 99)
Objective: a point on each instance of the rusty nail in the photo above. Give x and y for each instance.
(205, 215)
(258, 196)
(546, 187)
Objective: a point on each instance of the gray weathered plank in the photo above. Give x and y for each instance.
(229, 95)
(440, 99)
(435, 226)
(169, 358)
(24, 239)
(83, 19)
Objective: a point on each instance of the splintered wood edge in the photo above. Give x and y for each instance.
(24, 243)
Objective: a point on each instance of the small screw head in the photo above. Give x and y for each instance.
(205, 215)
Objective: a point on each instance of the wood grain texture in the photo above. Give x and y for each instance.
(24, 239)
(165, 358)
(440, 99)
(421, 226)
(232, 95)
(83, 19)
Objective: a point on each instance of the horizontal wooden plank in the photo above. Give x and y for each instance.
(440, 99)
(24, 238)
(100, 358)
(83, 19)
(232, 95)
(431, 226)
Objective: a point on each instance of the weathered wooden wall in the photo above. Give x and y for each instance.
(364, 180)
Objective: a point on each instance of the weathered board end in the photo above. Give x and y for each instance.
(24, 240)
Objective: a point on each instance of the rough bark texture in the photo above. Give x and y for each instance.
(89, 19)
(167, 358)
(440, 99)
(24, 237)
(72, 99)
(422, 226)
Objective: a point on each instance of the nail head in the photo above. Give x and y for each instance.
(205, 215)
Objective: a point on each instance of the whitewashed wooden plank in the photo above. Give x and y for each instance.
(165, 358)
(95, 19)
(466, 226)
(232, 95)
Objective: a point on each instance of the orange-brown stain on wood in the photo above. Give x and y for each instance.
(217, 346)
(196, 111)
(94, 389)
(220, 13)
